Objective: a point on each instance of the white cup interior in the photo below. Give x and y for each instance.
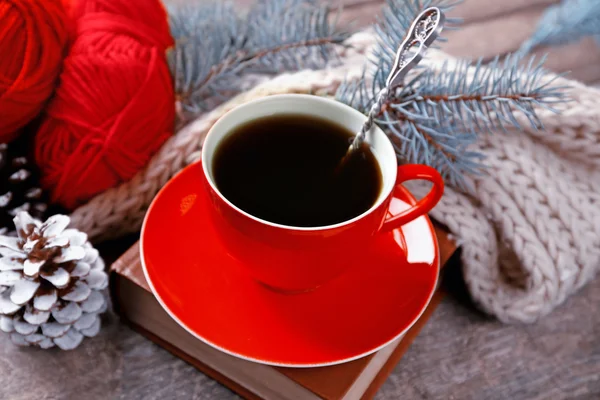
(300, 104)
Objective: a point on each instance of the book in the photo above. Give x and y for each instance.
(358, 379)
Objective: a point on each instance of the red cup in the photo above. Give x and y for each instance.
(297, 259)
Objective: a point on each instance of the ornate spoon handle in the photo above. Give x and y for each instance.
(426, 27)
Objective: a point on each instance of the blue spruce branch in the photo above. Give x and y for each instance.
(436, 116)
(215, 44)
(566, 22)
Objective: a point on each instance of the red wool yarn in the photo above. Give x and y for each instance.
(114, 106)
(33, 41)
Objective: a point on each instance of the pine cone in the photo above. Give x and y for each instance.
(51, 282)
(19, 180)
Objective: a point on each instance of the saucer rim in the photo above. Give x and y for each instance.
(272, 363)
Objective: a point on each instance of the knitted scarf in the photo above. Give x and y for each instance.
(529, 230)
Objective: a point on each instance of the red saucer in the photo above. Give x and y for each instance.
(209, 294)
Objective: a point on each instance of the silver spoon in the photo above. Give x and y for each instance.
(426, 27)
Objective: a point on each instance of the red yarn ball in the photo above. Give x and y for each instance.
(33, 40)
(115, 105)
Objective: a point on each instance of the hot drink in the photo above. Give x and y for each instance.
(284, 169)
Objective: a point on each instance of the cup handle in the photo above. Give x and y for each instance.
(409, 172)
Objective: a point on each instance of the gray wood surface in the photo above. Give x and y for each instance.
(460, 354)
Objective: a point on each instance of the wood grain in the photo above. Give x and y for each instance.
(459, 354)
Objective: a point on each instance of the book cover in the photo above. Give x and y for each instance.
(359, 379)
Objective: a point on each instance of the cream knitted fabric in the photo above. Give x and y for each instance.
(529, 232)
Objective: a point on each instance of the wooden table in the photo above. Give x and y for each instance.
(460, 354)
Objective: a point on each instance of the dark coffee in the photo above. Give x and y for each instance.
(283, 169)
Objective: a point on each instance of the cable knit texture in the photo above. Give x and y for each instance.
(529, 231)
